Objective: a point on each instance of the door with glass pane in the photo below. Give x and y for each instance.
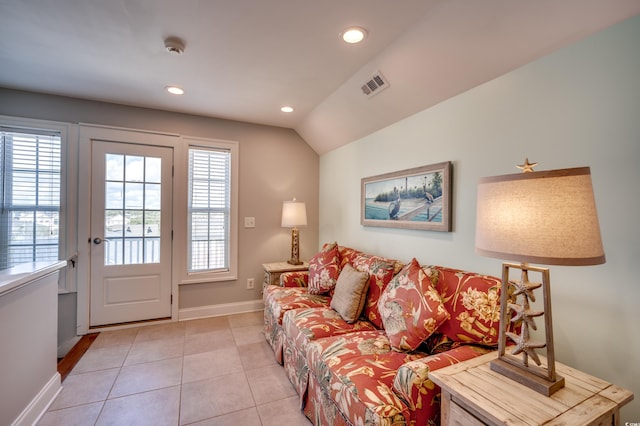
(131, 191)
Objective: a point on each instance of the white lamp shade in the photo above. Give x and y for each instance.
(294, 213)
(539, 217)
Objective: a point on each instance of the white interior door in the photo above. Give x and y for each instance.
(131, 216)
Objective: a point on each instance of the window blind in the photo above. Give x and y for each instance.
(209, 209)
(30, 201)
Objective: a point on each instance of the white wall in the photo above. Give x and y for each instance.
(28, 314)
(577, 107)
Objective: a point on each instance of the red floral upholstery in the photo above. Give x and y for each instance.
(302, 326)
(348, 374)
(294, 279)
(473, 300)
(348, 255)
(277, 301)
(324, 269)
(320, 408)
(295, 367)
(411, 308)
(438, 343)
(357, 370)
(380, 270)
(418, 392)
(305, 325)
(282, 299)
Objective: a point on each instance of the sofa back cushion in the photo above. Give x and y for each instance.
(381, 270)
(473, 300)
(348, 255)
(411, 308)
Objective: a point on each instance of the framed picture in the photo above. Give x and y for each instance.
(418, 198)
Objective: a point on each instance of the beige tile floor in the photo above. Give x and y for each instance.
(214, 371)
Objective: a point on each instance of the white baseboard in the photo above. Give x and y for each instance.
(39, 404)
(220, 310)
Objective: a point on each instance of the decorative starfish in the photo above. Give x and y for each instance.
(526, 288)
(527, 166)
(523, 345)
(524, 314)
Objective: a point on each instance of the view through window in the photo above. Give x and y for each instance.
(132, 209)
(30, 202)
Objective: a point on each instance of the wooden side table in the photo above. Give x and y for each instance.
(472, 394)
(272, 271)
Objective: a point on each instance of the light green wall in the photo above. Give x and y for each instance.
(577, 107)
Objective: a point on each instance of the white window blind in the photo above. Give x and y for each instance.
(30, 204)
(209, 209)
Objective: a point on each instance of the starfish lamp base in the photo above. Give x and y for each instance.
(513, 369)
(517, 319)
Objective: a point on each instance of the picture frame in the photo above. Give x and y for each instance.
(417, 198)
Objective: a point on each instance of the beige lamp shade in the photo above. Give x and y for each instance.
(294, 214)
(544, 217)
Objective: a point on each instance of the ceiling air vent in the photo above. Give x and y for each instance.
(376, 84)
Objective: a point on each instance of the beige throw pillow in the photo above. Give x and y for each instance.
(350, 293)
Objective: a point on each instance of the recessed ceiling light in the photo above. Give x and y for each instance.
(354, 35)
(175, 90)
(286, 109)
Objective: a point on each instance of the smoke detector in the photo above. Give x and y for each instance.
(174, 45)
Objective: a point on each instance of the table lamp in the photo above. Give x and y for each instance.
(546, 218)
(294, 214)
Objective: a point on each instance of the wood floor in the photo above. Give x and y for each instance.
(66, 364)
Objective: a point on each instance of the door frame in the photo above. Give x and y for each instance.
(86, 133)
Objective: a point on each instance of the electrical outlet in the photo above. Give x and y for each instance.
(249, 222)
(250, 283)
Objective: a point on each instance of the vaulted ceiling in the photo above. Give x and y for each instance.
(244, 59)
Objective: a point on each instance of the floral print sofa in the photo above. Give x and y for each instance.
(369, 364)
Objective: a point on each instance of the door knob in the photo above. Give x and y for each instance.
(97, 240)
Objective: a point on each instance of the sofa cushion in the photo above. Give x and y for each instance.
(380, 270)
(473, 300)
(324, 269)
(414, 387)
(279, 300)
(348, 255)
(350, 293)
(302, 326)
(411, 308)
(357, 371)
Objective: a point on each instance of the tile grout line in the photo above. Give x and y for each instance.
(104, 403)
(240, 324)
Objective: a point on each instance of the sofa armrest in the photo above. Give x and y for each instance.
(294, 279)
(413, 386)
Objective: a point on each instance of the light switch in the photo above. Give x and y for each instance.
(249, 222)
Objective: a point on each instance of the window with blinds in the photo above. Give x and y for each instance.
(30, 203)
(209, 209)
